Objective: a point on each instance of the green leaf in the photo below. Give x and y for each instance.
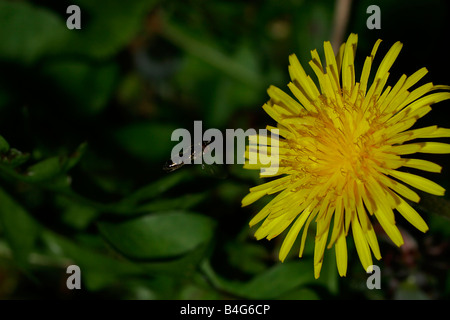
(75, 214)
(27, 32)
(14, 158)
(440, 224)
(248, 257)
(329, 274)
(273, 283)
(98, 270)
(434, 204)
(183, 266)
(19, 227)
(409, 289)
(88, 87)
(159, 235)
(147, 141)
(6, 96)
(44, 169)
(157, 188)
(75, 157)
(52, 167)
(210, 54)
(231, 192)
(300, 294)
(280, 279)
(219, 95)
(312, 13)
(186, 201)
(4, 145)
(106, 26)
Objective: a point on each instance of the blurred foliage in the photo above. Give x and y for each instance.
(86, 118)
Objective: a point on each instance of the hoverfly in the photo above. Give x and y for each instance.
(170, 166)
(217, 171)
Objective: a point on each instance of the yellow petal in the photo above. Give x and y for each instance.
(438, 133)
(272, 113)
(252, 197)
(404, 97)
(292, 234)
(388, 60)
(426, 132)
(418, 182)
(400, 188)
(415, 77)
(390, 228)
(340, 57)
(434, 147)
(422, 165)
(272, 226)
(430, 99)
(304, 81)
(271, 184)
(338, 221)
(305, 231)
(320, 241)
(362, 246)
(393, 93)
(348, 67)
(301, 95)
(341, 254)
(367, 66)
(406, 148)
(412, 216)
(316, 58)
(264, 212)
(331, 63)
(280, 97)
(373, 242)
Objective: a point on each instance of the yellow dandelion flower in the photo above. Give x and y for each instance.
(340, 149)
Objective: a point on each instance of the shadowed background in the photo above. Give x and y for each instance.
(86, 118)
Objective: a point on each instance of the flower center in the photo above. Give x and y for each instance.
(336, 139)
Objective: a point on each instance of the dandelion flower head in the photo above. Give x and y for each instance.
(343, 149)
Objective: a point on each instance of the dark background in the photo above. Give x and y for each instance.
(86, 116)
